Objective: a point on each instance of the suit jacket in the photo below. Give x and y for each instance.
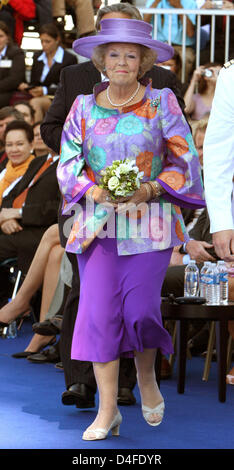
(42, 200)
(80, 79)
(11, 77)
(53, 75)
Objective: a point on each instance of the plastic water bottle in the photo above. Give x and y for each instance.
(223, 282)
(191, 279)
(213, 290)
(203, 279)
(12, 330)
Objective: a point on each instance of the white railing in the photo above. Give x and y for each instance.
(198, 13)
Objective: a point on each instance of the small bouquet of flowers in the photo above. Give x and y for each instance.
(122, 178)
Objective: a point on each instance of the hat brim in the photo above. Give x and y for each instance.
(85, 46)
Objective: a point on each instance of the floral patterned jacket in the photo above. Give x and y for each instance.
(156, 135)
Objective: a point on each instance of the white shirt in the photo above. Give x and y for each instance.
(3, 53)
(58, 57)
(218, 154)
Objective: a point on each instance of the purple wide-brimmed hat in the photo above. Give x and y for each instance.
(123, 30)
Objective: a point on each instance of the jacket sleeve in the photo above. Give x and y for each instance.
(16, 72)
(219, 154)
(27, 8)
(37, 214)
(181, 174)
(72, 177)
(52, 126)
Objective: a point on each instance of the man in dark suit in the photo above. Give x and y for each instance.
(75, 80)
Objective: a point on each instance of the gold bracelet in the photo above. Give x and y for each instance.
(148, 191)
(157, 189)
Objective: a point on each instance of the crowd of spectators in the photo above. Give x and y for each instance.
(29, 194)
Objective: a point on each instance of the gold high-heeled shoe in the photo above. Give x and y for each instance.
(101, 433)
(159, 410)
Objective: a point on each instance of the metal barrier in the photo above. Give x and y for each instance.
(198, 13)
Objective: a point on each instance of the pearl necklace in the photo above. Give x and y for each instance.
(125, 102)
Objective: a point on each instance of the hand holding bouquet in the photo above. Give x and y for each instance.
(121, 179)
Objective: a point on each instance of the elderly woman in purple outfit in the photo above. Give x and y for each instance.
(122, 268)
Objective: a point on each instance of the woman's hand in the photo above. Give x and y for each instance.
(227, 5)
(198, 73)
(102, 196)
(208, 5)
(36, 92)
(7, 214)
(140, 195)
(11, 226)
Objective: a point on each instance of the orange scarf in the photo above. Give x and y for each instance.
(20, 200)
(12, 173)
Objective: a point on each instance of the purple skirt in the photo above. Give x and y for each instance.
(119, 306)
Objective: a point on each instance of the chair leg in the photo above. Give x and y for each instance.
(229, 352)
(171, 359)
(4, 333)
(210, 347)
(221, 348)
(181, 353)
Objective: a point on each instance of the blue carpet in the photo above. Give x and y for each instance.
(33, 417)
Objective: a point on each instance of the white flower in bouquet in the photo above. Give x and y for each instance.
(113, 183)
(122, 178)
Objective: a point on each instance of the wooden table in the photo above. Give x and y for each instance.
(183, 313)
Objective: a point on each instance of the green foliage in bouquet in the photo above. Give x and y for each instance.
(122, 178)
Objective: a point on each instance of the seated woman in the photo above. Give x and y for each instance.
(46, 69)
(12, 66)
(44, 271)
(18, 146)
(31, 206)
(198, 104)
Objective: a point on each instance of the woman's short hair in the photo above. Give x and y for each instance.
(126, 8)
(20, 126)
(51, 30)
(178, 61)
(5, 29)
(148, 59)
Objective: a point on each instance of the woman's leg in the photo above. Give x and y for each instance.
(106, 375)
(149, 391)
(34, 277)
(51, 277)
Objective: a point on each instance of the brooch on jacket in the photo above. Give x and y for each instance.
(155, 102)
